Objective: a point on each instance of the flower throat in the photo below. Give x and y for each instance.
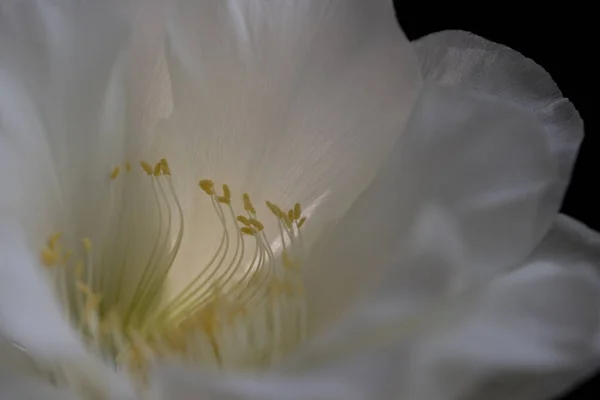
(244, 308)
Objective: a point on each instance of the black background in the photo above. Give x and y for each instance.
(561, 41)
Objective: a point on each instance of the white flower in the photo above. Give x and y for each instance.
(375, 219)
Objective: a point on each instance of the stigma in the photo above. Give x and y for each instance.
(243, 307)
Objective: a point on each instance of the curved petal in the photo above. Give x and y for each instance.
(290, 101)
(33, 323)
(62, 108)
(60, 124)
(529, 334)
(487, 163)
(468, 61)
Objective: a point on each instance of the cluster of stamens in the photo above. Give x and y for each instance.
(244, 308)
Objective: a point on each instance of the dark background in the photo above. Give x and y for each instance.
(560, 40)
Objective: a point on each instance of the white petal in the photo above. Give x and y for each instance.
(29, 312)
(530, 334)
(290, 101)
(62, 109)
(31, 319)
(458, 58)
(470, 189)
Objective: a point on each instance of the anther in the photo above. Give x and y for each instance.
(146, 167)
(115, 173)
(207, 186)
(248, 204)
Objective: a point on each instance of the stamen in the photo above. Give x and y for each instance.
(244, 307)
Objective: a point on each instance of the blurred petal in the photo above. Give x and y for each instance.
(62, 109)
(29, 312)
(471, 187)
(31, 320)
(291, 101)
(530, 334)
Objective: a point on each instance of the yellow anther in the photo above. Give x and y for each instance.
(146, 167)
(226, 198)
(301, 222)
(207, 186)
(226, 191)
(256, 223)
(248, 204)
(297, 211)
(87, 244)
(286, 219)
(243, 220)
(165, 168)
(49, 257)
(115, 172)
(290, 214)
(128, 166)
(275, 210)
(247, 231)
(53, 240)
(157, 169)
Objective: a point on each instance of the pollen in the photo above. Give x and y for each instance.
(115, 173)
(243, 308)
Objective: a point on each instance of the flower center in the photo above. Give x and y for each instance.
(244, 308)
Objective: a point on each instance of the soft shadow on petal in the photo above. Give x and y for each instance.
(468, 61)
(532, 334)
(470, 189)
(288, 100)
(528, 335)
(63, 108)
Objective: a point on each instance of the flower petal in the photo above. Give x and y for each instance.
(488, 156)
(468, 61)
(291, 101)
(29, 312)
(31, 320)
(529, 334)
(62, 108)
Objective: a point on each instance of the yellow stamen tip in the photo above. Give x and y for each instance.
(115, 173)
(49, 257)
(247, 231)
(207, 186)
(256, 223)
(297, 211)
(243, 220)
(53, 240)
(146, 167)
(248, 204)
(157, 169)
(128, 166)
(165, 168)
(226, 191)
